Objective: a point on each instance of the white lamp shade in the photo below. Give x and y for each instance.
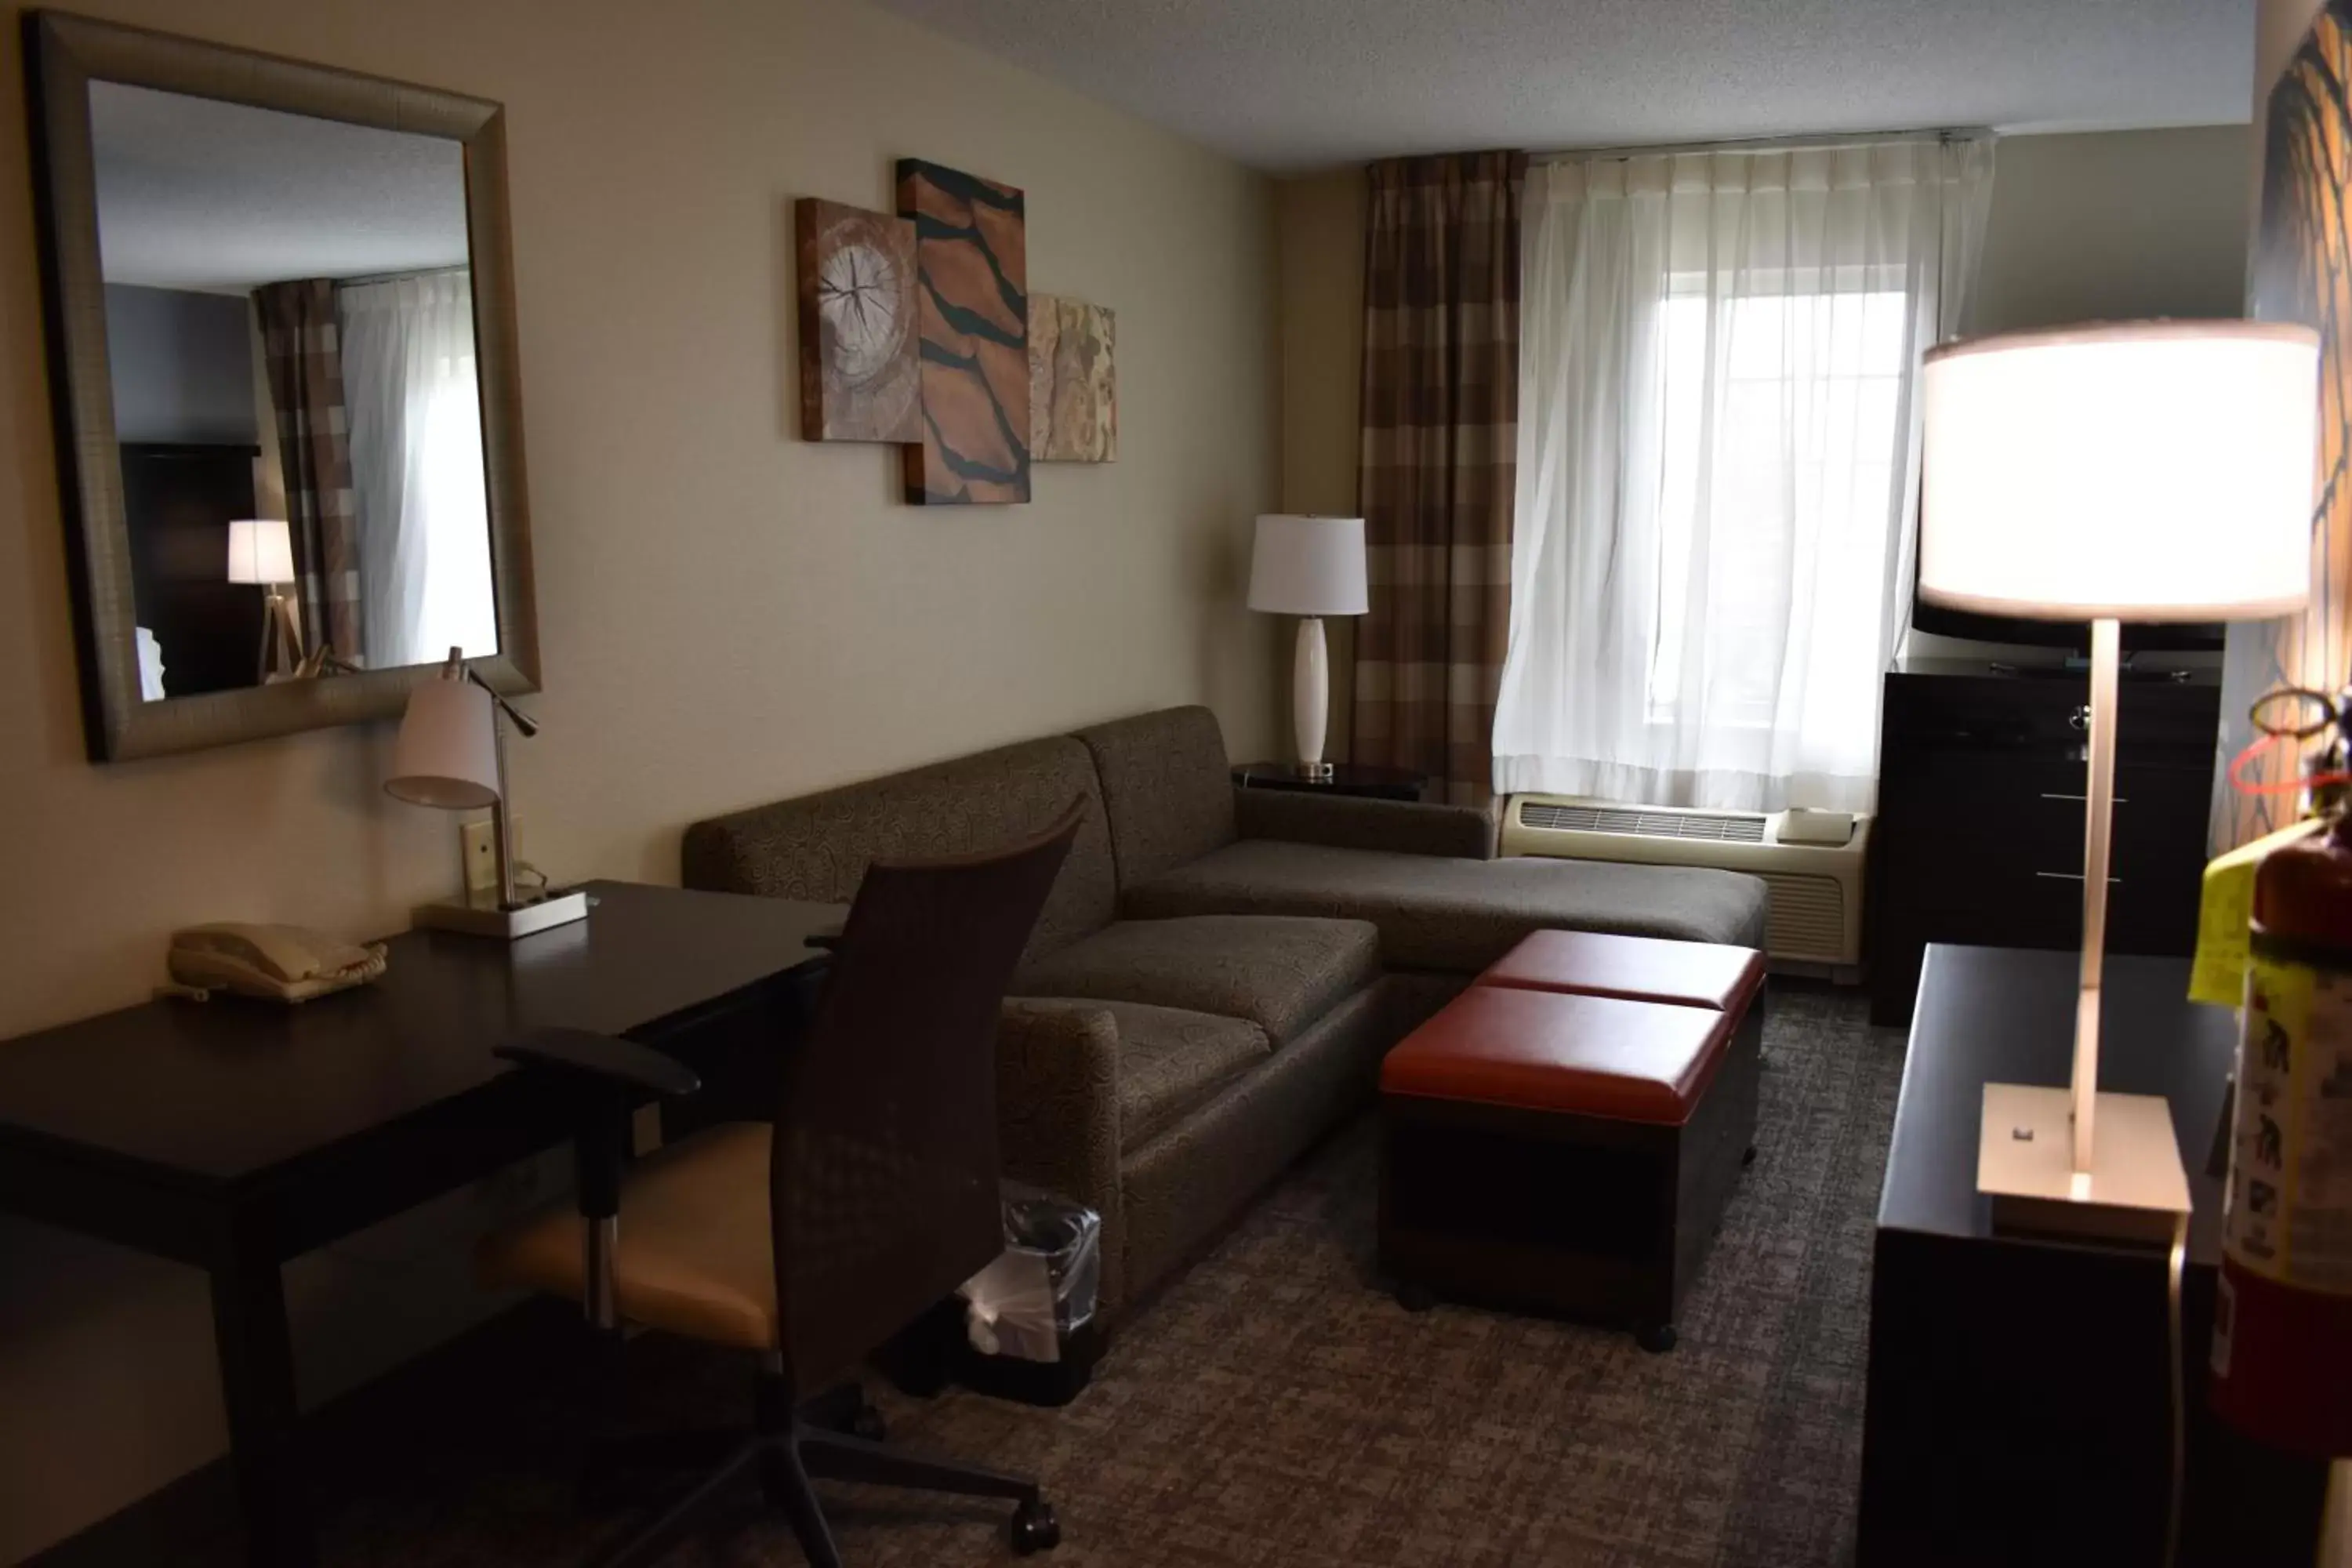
(260, 551)
(2134, 471)
(448, 754)
(1308, 566)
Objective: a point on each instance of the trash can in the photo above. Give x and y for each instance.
(1028, 1325)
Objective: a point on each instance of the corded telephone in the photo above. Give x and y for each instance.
(284, 964)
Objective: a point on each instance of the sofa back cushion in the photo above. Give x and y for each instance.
(1168, 787)
(819, 846)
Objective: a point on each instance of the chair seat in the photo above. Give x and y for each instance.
(1281, 972)
(1457, 916)
(1171, 1062)
(695, 1255)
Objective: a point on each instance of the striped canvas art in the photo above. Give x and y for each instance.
(972, 298)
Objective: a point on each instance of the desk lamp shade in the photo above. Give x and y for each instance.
(260, 549)
(448, 754)
(2132, 471)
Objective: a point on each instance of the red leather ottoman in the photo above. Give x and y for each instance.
(1566, 1134)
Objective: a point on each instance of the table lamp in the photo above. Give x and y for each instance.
(1309, 567)
(261, 552)
(2131, 472)
(451, 754)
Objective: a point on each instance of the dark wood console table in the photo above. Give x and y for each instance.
(2018, 1407)
(234, 1135)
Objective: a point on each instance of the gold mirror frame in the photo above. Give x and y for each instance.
(63, 55)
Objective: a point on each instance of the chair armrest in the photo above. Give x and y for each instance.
(607, 1059)
(1057, 1112)
(1352, 822)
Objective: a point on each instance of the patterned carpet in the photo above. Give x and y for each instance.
(1275, 1407)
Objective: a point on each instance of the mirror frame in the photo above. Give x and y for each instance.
(63, 55)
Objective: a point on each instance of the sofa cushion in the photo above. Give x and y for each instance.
(1280, 972)
(1168, 787)
(1457, 915)
(1171, 1062)
(819, 846)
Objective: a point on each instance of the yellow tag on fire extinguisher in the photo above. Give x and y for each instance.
(2226, 913)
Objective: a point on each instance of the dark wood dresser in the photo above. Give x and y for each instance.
(1980, 830)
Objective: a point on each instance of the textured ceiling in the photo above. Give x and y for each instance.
(197, 194)
(1292, 85)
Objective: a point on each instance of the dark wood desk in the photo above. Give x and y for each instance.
(233, 1135)
(2018, 1407)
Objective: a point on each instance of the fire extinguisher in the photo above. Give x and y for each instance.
(2281, 1353)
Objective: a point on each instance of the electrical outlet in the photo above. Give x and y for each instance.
(478, 842)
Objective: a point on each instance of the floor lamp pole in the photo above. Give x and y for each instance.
(2107, 639)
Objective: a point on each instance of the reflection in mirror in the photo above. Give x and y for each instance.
(290, 341)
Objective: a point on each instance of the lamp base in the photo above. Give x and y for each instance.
(1315, 772)
(2135, 1191)
(488, 919)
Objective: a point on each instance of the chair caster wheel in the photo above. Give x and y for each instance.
(1415, 1298)
(1035, 1529)
(868, 1424)
(1657, 1339)
(1748, 1155)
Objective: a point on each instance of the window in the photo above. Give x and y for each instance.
(1831, 366)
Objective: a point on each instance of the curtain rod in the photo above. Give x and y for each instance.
(1763, 144)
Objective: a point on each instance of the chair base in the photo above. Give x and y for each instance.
(789, 1447)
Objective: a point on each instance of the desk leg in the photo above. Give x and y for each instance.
(256, 1372)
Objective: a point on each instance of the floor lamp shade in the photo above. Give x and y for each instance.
(260, 549)
(2136, 471)
(448, 754)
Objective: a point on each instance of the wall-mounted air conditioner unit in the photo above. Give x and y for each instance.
(1812, 861)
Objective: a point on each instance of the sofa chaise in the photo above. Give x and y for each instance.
(1218, 972)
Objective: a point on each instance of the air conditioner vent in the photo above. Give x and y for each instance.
(1807, 916)
(1728, 828)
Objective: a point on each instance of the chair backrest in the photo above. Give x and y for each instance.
(882, 1188)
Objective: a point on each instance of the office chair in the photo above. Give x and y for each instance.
(872, 1197)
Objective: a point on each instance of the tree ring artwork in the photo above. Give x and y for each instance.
(861, 378)
(972, 290)
(2302, 272)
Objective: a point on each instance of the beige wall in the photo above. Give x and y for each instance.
(2116, 224)
(729, 615)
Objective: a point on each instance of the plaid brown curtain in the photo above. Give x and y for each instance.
(302, 346)
(1437, 474)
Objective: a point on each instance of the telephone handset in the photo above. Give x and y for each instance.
(283, 964)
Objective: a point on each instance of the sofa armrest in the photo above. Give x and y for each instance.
(1351, 822)
(1057, 1112)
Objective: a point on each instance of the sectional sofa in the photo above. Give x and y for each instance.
(1217, 972)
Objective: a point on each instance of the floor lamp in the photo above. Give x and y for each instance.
(2134, 471)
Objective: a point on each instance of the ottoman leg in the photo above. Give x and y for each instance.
(1415, 1298)
(1657, 1339)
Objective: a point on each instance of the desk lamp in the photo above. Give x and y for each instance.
(2130, 471)
(1309, 567)
(452, 754)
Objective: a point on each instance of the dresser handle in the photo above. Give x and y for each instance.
(2077, 877)
(2054, 795)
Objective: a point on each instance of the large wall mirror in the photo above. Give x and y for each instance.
(281, 341)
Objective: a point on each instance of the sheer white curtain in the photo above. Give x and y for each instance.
(416, 467)
(1719, 452)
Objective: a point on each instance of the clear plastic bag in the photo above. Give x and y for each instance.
(1043, 1286)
